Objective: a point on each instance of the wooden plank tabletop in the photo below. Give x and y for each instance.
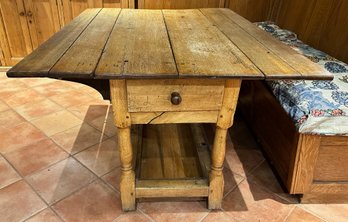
(132, 43)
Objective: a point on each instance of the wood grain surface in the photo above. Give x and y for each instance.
(127, 43)
(39, 62)
(138, 46)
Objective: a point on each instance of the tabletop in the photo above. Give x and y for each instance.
(131, 43)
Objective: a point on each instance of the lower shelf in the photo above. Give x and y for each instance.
(172, 161)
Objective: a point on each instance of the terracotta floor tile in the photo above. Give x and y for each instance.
(32, 82)
(56, 122)
(113, 178)
(10, 118)
(78, 138)
(96, 202)
(54, 88)
(7, 174)
(3, 106)
(18, 202)
(101, 158)
(19, 136)
(38, 109)
(89, 112)
(72, 98)
(23, 97)
(46, 215)
(264, 177)
(248, 202)
(299, 215)
(132, 217)
(36, 156)
(10, 86)
(218, 216)
(231, 180)
(105, 125)
(174, 211)
(60, 180)
(242, 161)
(329, 212)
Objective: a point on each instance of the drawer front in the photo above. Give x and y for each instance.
(158, 95)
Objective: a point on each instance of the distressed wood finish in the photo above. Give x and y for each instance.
(82, 57)
(225, 121)
(165, 44)
(54, 48)
(172, 188)
(174, 117)
(168, 152)
(138, 46)
(200, 49)
(149, 55)
(154, 95)
(305, 68)
(123, 123)
(259, 54)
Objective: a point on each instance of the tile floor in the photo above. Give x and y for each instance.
(59, 162)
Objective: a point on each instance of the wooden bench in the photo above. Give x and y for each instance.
(315, 166)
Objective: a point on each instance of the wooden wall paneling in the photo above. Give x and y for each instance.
(118, 4)
(2, 61)
(294, 15)
(43, 19)
(73, 8)
(334, 38)
(253, 10)
(320, 23)
(15, 38)
(179, 4)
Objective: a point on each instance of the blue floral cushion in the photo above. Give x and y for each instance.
(316, 107)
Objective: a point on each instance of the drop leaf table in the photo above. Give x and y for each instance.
(162, 68)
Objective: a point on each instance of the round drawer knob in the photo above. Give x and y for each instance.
(176, 98)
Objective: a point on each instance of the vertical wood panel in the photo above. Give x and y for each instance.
(253, 10)
(179, 4)
(43, 20)
(14, 33)
(320, 23)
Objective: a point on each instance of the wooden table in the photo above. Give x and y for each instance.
(167, 66)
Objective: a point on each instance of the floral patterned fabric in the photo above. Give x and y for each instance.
(316, 107)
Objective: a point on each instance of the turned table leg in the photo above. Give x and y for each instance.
(123, 122)
(225, 120)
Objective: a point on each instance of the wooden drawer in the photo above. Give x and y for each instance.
(155, 95)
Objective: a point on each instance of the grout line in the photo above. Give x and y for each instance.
(255, 167)
(235, 187)
(209, 211)
(26, 181)
(146, 215)
(302, 206)
(72, 193)
(288, 215)
(21, 177)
